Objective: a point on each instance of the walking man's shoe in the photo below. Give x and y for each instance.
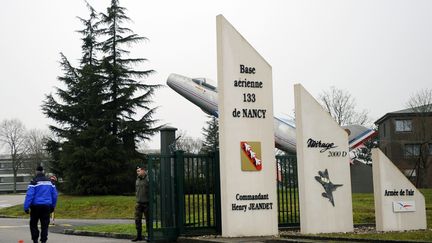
(137, 239)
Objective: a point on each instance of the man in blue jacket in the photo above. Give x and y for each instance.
(41, 199)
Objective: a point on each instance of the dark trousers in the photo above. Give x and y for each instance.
(42, 213)
(140, 209)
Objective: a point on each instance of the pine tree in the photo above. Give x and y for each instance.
(97, 131)
(211, 135)
(122, 80)
(80, 115)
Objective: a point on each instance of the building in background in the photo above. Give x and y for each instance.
(24, 175)
(405, 137)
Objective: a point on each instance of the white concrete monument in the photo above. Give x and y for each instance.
(322, 167)
(246, 141)
(398, 203)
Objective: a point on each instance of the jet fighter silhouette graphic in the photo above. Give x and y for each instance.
(329, 187)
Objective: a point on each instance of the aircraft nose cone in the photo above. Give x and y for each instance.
(173, 79)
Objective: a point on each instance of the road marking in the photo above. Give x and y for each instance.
(13, 226)
(25, 226)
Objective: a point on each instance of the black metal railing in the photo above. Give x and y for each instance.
(201, 177)
(288, 201)
(185, 194)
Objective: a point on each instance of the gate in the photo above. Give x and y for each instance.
(185, 194)
(183, 198)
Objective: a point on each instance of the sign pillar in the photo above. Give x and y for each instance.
(323, 168)
(399, 205)
(247, 163)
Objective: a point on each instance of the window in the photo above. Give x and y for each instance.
(410, 173)
(204, 82)
(412, 150)
(403, 126)
(381, 130)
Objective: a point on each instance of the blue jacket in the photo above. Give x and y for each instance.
(40, 191)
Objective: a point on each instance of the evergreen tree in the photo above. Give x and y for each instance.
(122, 80)
(211, 135)
(97, 131)
(80, 115)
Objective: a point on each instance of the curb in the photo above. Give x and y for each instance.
(97, 234)
(13, 217)
(285, 238)
(294, 238)
(344, 239)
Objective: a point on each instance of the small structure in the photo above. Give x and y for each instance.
(6, 174)
(323, 168)
(398, 204)
(249, 203)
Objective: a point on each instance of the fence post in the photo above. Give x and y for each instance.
(180, 197)
(208, 162)
(167, 135)
(217, 192)
(151, 176)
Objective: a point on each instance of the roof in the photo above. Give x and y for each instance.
(424, 109)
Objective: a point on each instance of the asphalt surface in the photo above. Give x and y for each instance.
(8, 200)
(13, 230)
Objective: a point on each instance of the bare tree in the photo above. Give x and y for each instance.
(13, 135)
(187, 143)
(341, 106)
(421, 104)
(36, 153)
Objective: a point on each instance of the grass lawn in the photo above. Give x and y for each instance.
(86, 207)
(112, 228)
(363, 208)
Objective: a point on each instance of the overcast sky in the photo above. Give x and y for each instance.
(379, 51)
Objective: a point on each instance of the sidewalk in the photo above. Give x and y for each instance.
(9, 200)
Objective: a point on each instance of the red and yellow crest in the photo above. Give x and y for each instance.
(250, 153)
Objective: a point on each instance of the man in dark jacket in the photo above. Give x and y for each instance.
(142, 201)
(41, 199)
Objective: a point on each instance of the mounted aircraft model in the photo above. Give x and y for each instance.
(203, 93)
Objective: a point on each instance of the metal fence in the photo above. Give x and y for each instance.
(288, 202)
(185, 194)
(183, 198)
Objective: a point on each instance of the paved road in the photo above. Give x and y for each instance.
(8, 200)
(12, 230)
